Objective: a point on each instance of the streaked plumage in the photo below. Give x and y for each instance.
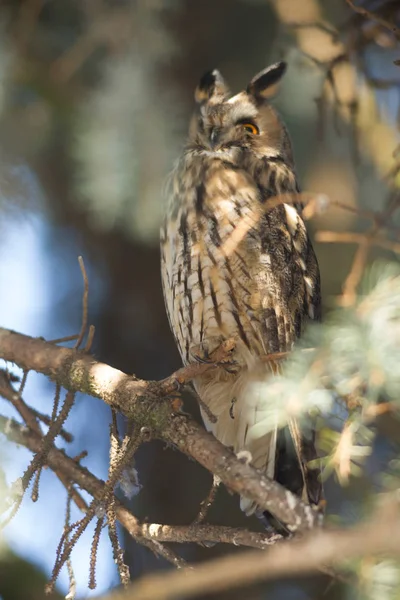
(237, 264)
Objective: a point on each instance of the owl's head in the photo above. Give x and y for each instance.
(229, 125)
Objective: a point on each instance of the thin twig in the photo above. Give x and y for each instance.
(90, 338)
(376, 18)
(350, 237)
(71, 576)
(84, 303)
(93, 553)
(66, 435)
(208, 501)
(67, 338)
(28, 414)
(57, 460)
(23, 383)
(349, 288)
(47, 441)
(36, 483)
(118, 553)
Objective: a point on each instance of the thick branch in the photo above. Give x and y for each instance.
(143, 402)
(209, 533)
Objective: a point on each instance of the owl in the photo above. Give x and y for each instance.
(237, 263)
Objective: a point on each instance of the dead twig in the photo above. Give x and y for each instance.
(30, 416)
(350, 237)
(85, 299)
(67, 338)
(148, 533)
(385, 23)
(349, 289)
(208, 501)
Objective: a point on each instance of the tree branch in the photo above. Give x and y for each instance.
(378, 537)
(7, 392)
(376, 18)
(152, 532)
(145, 403)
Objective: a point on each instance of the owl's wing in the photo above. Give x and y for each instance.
(295, 298)
(312, 284)
(290, 289)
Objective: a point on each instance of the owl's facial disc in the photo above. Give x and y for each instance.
(238, 134)
(227, 125)
(241, 123)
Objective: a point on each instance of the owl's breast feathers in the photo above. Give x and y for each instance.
(232, 265)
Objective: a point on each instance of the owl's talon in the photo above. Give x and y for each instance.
(181, 413)
(201, 360)
(230, 370)
(230, 366)
(179, 385)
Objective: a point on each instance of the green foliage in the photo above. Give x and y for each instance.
(341, 370)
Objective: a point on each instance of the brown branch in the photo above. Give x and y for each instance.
(8, 392)
(156, 532)
(85, 300)
(66, 435)
(58, 461)
(376, 18)
(199, 533)
(349, 237)
(378, 537)
(208, 501)
(145, 403)
(364, 241)
(67, 338)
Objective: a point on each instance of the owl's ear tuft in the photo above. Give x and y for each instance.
(265, 84)
(211, 84)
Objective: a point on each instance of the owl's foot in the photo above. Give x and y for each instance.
(216, 351)
(273, 525)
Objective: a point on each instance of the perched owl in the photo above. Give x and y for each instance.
(237, 264)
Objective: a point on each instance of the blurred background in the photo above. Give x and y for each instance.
(95, 99)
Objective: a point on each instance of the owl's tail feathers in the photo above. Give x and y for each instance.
(303, 442)
(247, 423)
(294, 451)
(282, 454)
(256, 432)
(240, 406)
(262, 456)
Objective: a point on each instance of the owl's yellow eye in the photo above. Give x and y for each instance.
(251, 128)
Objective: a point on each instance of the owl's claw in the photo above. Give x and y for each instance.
(200, 359)
(231, 367)
(178, 385)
